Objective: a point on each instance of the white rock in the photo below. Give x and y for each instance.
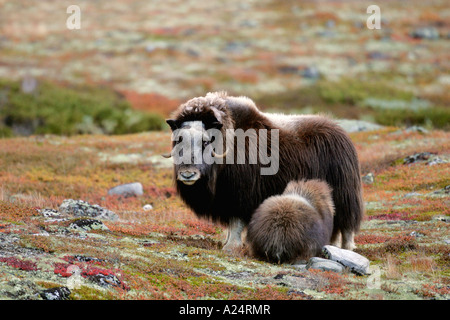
(129, 189)
(354, 261)
(147, 207)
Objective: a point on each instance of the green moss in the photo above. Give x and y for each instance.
(55, 109)
(90, 293)
(349, 98)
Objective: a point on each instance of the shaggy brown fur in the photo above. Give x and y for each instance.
(310, 147)
(293, 226)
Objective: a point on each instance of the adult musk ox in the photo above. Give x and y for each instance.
(229, 191)
(293, 226)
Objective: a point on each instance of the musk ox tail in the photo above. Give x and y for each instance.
(292, 226)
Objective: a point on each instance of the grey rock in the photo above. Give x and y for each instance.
(87, 225)
(127, 190)
(436, 160)
(80, 208)
(429, 33)
(442, 218)
(310, 73)
(412, 195)
(358, 125)
(416, 129)
(147, 207)
(58, 293)
(29, 84)
(324, 265)
(368, 178)
(441, 193)
(106, 280)
(417, 157)
(49, 213)
(352, 260)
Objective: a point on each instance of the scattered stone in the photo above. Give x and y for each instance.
(368, 178)
(147, 207)
(416, 129)
(435, 160)
(29, 84)
(358, 125)
(324, 265)
(429, 33)
(444, 192)
(50, 213)
(412, 195)
(106, 280)
(354, 261)
(417, 157)
(80, 208)
(310, 73)
(58, 293)
(416, 234)
(87, 225)
(442, 218)
(127, 190)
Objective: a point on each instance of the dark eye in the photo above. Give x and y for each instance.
(205, 143)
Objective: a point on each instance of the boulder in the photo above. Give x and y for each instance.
(80, 208)
(127, 190)
(352, 260)
(58, 293)
(324, 265)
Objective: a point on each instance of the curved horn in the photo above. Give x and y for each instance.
(167, 155)
(223, 155)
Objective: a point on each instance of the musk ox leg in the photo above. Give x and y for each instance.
(234, 238)
(336, 239)
(348, 241)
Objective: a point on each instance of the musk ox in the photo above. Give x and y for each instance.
(293, 226)
(230, 189)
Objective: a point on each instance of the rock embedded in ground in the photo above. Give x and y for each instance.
(324, 265)
(147, 207)
(350, 125)
(354, 261)
(58, 293)
(80, 208)
(368, 178)
(127, 190)
(417, 157)
(429, 33)
(87, 225)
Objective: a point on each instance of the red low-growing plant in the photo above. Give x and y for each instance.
(19, 264)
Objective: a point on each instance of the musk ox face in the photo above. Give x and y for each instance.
(195, 151)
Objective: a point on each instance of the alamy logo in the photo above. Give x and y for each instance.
(239, 147)
(73, 22)
(374, 20)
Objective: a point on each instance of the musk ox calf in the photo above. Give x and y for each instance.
(293, 226)
(226, 181)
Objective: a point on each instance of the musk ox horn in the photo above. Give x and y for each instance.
(216, 155)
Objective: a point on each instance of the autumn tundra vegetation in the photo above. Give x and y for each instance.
(83, 112)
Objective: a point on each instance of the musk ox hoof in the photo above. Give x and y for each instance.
(233, 247)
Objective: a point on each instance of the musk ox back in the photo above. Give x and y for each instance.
(228, 190)
(293, 226)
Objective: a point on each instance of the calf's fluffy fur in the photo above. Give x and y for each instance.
(293, 226)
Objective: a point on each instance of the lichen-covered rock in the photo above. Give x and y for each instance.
(58, 293)
(80, 208)
(87, 225)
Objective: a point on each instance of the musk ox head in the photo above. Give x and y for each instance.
(198, 138)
